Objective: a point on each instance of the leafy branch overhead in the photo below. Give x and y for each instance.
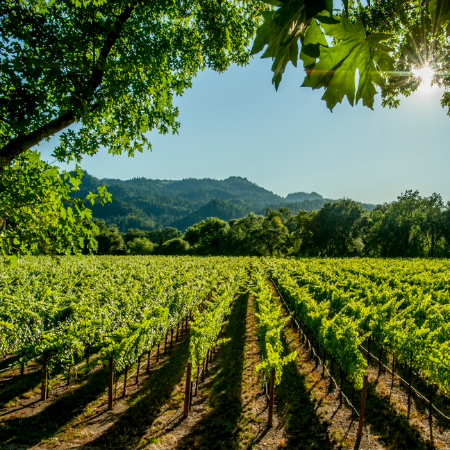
(283, 28)
(337, 65)
(349, 52)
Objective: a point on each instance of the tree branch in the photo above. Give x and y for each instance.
(23, 142)
(111, 38)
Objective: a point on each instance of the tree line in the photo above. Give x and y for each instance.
(410, 226)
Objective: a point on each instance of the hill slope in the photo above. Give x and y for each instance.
(146, 204)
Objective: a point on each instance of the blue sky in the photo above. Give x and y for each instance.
(237, 124)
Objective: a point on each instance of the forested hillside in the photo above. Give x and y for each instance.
(147, 204)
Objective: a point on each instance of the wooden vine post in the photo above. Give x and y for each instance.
(271, 399)
(363, 407)
(125, 381)
(187, 390)
(138, 367)
(203, 370)
(379, 360)
(110, 383)
(393, 370)
(149, 355)
(409, 387)
(88, 355)
(323, 363)
(22, 366)
(196, 383)
(330, 388)
(44, 393)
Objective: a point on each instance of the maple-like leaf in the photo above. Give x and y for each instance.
(282, 29)
(312, 39)
(337, 65)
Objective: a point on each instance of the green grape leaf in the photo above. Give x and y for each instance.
(337, 65)
(282, 29)
(311, 42)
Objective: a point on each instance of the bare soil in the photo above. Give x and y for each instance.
(229, 411)
(73, 416)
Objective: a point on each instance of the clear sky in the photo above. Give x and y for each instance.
(287, 141)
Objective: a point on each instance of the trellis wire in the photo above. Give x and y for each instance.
(316, 355)
(418, 394)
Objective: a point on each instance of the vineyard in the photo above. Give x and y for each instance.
(216, 352)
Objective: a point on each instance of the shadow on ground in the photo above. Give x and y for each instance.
(393, 429)
(145, 405)
(19, 385)
(48, 422)
(9, 361)
(297, 412)
(220, 427)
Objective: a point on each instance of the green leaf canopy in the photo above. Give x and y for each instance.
(112, 67)
(336, 69)
(359, 50)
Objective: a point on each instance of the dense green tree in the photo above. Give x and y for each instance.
(345, 224)
(171, 233)
(284, 214)
(192, 234)
(175, 246)
(241, 236)
(446, 224)
(109, 240)
(209, 237)
(157, 236)
(400, 224)
(113, 67)
(140, 246)
(432, 222)
(40, 211)
(301, 233)
(273, 237)
(212, 236)
(335, 230)
(134, 233)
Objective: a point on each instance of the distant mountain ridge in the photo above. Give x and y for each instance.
(302, 196)
(146, 203)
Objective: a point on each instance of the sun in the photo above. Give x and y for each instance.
(426, 74)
